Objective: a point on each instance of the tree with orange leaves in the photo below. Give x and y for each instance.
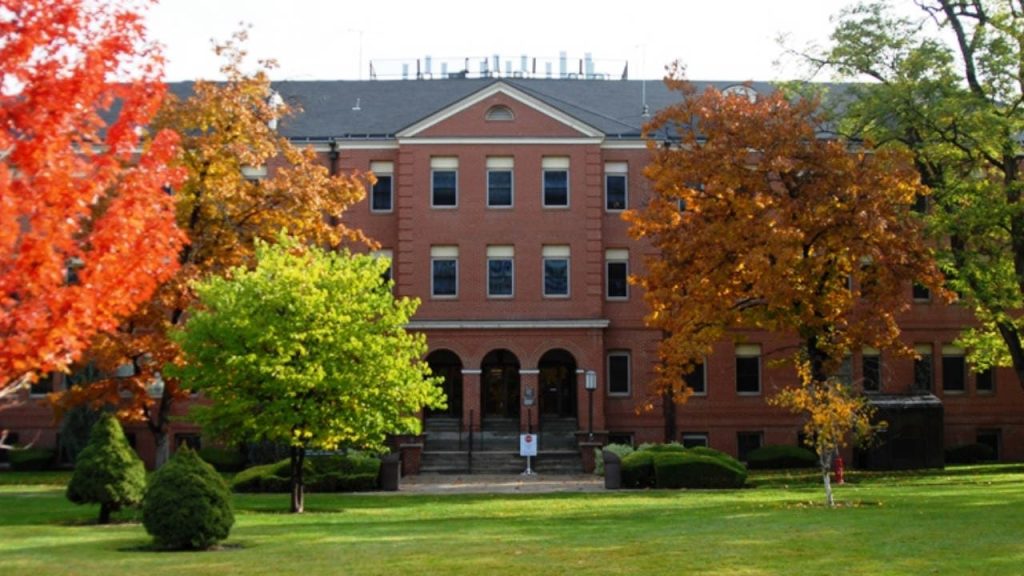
(87, 229)
(228, 200)
(763, 222)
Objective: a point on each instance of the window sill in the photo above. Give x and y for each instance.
(619, 394)
(748, 394)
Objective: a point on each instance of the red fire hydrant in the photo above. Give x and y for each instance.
(838, 465)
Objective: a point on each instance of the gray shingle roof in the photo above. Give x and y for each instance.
(345, 109)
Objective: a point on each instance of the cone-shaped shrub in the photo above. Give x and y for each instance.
(187, 504)
(108, 472)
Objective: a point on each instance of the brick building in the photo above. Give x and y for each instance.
(499, 202)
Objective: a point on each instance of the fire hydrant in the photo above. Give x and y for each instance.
(838, 465)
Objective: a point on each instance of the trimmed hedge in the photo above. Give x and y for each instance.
(31, 459)
(970, 454)
(778, 456)
(691, 470)
(187, 504)
(352, 473)
(223, 459)
(672, 466)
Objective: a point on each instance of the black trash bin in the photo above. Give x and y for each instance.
(612, 470)
(390, 470)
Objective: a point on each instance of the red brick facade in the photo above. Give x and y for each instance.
(587, 324)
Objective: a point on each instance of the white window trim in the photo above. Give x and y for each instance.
(615, 257)
(748, 351)
(555, 164)
(704, 379)
(626, 199)
(951, 351)
(568, 277)
(512, 189)
(444, 207)
(391, 195)
(696, 436)
(629, 373)
(488, 277)
(444, 253)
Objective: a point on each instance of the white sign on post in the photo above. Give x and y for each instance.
(527, 444)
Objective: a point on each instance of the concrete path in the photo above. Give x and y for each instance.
(499, 484)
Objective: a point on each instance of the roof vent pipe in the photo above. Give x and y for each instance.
(563, 64)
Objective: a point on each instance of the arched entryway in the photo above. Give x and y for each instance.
(557, 383)
(499, 384)
(448, 366)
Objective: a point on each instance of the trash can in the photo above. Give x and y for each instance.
(612, 470)
(390, 470)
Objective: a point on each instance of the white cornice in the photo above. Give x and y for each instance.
(624, 145)
(487, 140)
(323, 147)
(588, 324)
(511, 92)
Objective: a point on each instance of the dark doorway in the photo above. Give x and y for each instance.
(557, 381)
(499, 381)
(447, 365)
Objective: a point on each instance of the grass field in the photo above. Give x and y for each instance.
(965, 520)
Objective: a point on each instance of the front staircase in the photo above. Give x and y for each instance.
(495, 448)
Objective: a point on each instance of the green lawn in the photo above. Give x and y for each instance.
(962, 521)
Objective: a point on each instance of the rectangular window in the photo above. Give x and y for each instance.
(556, 182)
(954, 369)
(845, 372)
(748, 368)
(691, 439)
(444, 182)
(985, 381)
(499, 182)
(921, 293)
(871, 368)
(617, 274)
(616, 195)
(747, 442)
(382, 194)
(618, 373)
(500, 271)
(388, 275)
(697, 380)
(923, 368)
(556, 270)
(444, 277)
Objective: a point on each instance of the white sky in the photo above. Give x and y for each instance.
(323, 39)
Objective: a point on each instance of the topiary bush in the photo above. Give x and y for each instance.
(970, 454)
(622, 450)
(223, 459)
(778, 456)
(187, 505)
(694, 470)
(638, 470)
(108, 472)
(31, 459)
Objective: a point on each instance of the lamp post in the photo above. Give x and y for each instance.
(590, 383)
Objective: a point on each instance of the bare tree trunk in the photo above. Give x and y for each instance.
(826, 470)
(163, 449)
(298, 456)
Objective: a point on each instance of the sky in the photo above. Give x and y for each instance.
(337, 39)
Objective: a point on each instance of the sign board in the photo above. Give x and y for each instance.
(527, 444)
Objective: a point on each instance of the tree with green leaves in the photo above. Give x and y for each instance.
(108, 472)
(948, 86)
(309, 348)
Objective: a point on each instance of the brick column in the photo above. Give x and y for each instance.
(471, 382)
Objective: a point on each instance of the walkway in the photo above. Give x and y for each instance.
(499, 484)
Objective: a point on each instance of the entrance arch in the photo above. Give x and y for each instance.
(499, 384)
(447, 365)
(557, 383)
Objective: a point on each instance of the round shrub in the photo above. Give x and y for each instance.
(693, 470)
(31, 459)
(108, 472)
(638, 469)
(779, 456)
(187, 504)
(970, 454)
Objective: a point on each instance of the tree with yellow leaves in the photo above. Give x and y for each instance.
(228, 133)
(764, 221)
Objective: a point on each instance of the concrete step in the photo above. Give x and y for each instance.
(500, 462)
